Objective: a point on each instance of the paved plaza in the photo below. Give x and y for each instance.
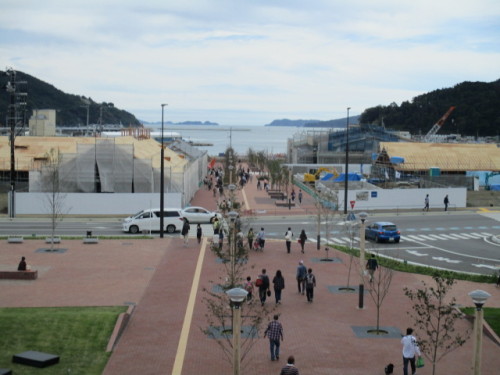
(165, 282)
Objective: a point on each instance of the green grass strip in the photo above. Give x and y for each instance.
(79, 335)
(422, 270)
(491, 315)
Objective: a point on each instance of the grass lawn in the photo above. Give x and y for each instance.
(491, 315)
(79, 335)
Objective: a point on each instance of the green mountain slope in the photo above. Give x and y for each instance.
(71, 109)
(477, 111)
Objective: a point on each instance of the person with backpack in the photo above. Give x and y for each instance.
(279, 285)
(310, 285)
(262, 283)
(288, 239)
(301, 277)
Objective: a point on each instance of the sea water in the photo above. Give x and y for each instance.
(216, 139)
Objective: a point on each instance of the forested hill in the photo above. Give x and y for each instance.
(71, 109)
(477, 111)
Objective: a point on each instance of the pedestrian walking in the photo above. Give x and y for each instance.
(249, 288)
(185, 231)
(410, 351)
(293, 195)
(310, 285)
(290, 368)
(199, 233)
(288, 239)
(274, 332)
(301, 277)
(302, 240)
(372, 266)
(446, 202)
(262, 283)
(216, 226)
(250, 236)
(279, 285)
(300, 196)
(261, 237)
(426, 203)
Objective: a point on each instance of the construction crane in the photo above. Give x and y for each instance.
(435, 128)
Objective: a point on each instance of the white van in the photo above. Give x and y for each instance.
(149, 220)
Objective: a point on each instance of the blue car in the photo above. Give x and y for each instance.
(383, 231)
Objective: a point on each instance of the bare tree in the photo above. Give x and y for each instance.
(435, 315)
(379, 289)
(234, 257)
(51, 185)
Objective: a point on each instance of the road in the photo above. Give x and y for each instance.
(458, 241)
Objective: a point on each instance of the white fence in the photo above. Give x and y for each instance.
(390, 199)
(94, 204)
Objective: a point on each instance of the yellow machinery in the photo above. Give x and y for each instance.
(314, 174)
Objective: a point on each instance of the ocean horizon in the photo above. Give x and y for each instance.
(216, 139)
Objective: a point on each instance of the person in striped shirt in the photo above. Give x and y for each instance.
(290, 368)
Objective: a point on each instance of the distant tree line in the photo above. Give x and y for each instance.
(477, 111)
(71, 109)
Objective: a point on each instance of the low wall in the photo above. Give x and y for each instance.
(19, 275)
(403, 198)
(94, 204)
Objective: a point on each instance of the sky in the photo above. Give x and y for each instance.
(249, 62)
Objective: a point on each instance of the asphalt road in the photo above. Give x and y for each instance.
(459, 241)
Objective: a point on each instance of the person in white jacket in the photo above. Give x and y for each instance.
(410, 351)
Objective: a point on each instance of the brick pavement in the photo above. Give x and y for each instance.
(157, 275)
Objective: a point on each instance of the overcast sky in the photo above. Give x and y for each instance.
(248, 62)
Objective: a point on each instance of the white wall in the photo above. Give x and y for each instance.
(404, 198)
(95, 204)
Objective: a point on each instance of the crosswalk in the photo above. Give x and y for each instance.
(419, 237)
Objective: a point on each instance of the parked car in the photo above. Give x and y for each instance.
(149, 220)
(199, 215)
(383, 231)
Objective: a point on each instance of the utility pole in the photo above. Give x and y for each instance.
(17, 104)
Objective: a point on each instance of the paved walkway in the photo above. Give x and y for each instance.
(166, 281)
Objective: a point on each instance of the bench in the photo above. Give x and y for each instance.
(15, 240)
(90, 240)
(53, 240)
(18, 275)
(278, 195)
(284, 204)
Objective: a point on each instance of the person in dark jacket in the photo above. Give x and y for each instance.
(263, 287)
(302, 239)
(185, 231)
(279, 285)
(199, 233)
(22, 264)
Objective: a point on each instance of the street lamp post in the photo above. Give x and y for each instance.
(346, 172)
(362, 216)
(237, 296)
(479, 297)
(162, 176)
(232, 240)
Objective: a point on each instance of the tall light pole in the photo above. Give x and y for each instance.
(162, 176)
(362, 216)
(237, 296)
(479, 297)
(346, 172)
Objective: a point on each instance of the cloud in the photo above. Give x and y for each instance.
(258, 60)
